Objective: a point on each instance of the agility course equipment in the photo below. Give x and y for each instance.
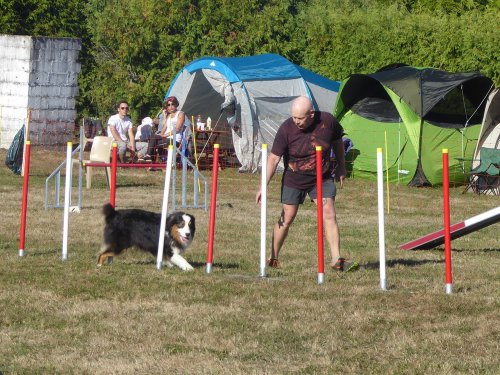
(446, 209)
(319, 210)
(26, 178)
(164, 207)
(381, 222)
(213, 204)
(55, 179)
(457, 230)
(263, 209)
(67, 193)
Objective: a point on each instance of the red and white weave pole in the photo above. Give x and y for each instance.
(112, 188)
(213, 204)
(24, 206)
(319, 208)
(447, 231)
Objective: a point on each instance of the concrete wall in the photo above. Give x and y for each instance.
(40, 74)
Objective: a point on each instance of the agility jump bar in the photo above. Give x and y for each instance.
(457, 230)
(127, 165)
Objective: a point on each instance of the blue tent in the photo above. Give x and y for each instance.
(250, 96)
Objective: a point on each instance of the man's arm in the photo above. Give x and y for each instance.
(131, 137)
(114, 133)
(340, 172)
(272, 163)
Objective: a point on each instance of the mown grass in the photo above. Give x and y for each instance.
(129, 318)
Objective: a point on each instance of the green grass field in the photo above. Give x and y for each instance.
(69, 317)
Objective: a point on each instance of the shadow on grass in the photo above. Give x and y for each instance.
(135, 184)
(195, 265)
(440, 250)
(42, 252)
(397, 262)
(487, 250)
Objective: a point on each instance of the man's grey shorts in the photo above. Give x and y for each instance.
(294, 196)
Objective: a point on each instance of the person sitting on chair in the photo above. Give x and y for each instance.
(119, 126)
(169, 119)
(142, 136)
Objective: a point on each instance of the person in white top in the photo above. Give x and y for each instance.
(171, 118)
(142, 136)
(119, 126)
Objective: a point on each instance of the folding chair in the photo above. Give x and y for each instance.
(99, 153)
(485, 178)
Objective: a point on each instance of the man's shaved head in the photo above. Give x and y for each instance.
(302, 112)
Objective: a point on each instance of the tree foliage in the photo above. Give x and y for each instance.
(132, 49)
(365, 39)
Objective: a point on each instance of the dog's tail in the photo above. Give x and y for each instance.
(109, 212)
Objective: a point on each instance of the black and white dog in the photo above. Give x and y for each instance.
(133, 227)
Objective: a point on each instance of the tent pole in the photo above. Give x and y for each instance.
(399, 147)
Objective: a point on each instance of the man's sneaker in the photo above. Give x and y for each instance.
(343, 265)
(274, 263)
(147, 157)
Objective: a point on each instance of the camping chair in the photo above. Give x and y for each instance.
(99, 153)
(485, 178)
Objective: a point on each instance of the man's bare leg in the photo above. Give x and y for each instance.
(281, 228)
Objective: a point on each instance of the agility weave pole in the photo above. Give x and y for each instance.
(263, 208)
(213, 204)
(447, 231)
(26, 178)
(67, 199)
(381, 223)
(164, 207)
(114, 160)
(319, 209)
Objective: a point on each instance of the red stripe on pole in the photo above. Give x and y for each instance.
(112, 188)
(26, 179)
(319, 206)
(446, 204)
(211, 229)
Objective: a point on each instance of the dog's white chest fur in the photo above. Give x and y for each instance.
(181, 237)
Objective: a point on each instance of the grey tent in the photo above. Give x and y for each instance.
(249, 95)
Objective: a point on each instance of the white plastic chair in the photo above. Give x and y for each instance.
(99, 153)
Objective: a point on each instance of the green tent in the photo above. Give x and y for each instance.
(413, 114)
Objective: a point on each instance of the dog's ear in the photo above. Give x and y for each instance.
(171, 219)
(193, 226)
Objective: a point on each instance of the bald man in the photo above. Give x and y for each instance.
(296, 142)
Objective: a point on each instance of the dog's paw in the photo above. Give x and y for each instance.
(187, 267)
(168, 263)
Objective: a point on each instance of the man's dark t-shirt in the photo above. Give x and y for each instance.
(298, 149)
